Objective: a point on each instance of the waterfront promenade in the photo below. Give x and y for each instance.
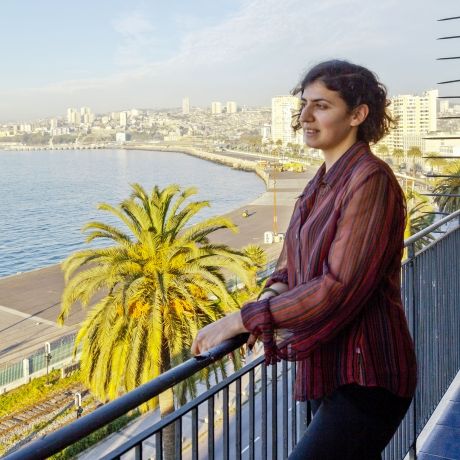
(30, 302)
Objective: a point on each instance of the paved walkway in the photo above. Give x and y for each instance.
(30, 302)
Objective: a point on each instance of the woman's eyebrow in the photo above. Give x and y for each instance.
(315, 100)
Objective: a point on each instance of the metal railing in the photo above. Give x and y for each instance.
(14, 374)
(261, 419)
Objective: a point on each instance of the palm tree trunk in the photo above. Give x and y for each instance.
(166, 402)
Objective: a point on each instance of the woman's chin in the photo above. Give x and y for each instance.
(311, 143)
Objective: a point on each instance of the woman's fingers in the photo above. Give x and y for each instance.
(215, 333)
(251, 341)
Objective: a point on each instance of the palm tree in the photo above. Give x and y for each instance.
(449, 186)
(420, 214)
(436, 162)
(398, 154)
(414, 152)
(156, 286)
(382, 149)
(258, 259)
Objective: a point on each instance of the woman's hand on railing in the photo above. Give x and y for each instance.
(215, 333)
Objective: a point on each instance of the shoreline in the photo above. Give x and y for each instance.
(31, 300)
(235, 163)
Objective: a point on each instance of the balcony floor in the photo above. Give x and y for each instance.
(443, 441)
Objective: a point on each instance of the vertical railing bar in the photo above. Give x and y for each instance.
(274, 411)
(264, 440)
(226, 452)
(211, 441)
(284, 378)
(411, 292)
(293, 407)
(238, 419)
(158, 446)
(194, 433)
(251, 415)
(178, 434)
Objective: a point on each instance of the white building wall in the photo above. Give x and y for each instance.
(231, 107)
(185, 106)
(216, 107)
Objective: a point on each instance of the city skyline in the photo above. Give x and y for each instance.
(111, 57)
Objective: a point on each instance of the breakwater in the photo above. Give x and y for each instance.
(235, 163)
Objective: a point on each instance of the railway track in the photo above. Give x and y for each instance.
(24, 420)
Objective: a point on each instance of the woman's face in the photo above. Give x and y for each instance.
(326, 120)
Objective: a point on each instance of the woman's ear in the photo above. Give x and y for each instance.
(359, 114)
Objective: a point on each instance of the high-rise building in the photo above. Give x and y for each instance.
(444, 106)
(416, 116)
(86, 115)
(231, 107)
(283, 107)
(266, 132)
(216, 107)
(123, 119)
(73, 117)
(185, 106)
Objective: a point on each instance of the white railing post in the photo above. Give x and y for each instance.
(26, 369)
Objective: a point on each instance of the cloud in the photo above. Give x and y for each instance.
(137, 39)
(265, 40)
(262, 27)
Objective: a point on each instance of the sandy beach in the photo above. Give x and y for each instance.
(30, 302)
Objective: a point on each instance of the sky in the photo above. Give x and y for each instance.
(114, 55)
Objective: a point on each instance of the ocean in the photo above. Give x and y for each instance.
(47, 196)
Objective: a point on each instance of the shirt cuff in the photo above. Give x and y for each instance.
(276, 277)
(257, 319)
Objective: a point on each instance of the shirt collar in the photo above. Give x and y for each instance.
(343, 164)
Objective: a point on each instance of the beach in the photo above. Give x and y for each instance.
(30, 302)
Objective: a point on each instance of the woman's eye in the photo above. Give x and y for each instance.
(321, 106)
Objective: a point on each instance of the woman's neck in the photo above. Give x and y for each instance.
(332, 155)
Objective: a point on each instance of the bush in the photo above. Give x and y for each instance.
(34, 392)
(93, 438)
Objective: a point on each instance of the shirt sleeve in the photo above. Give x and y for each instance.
(281, 272)
(368, 238)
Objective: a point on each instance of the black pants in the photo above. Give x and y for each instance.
(353, 423)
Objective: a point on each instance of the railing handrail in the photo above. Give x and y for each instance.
(58, 440)
(412, 239)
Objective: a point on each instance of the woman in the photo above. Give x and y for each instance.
(336, 288)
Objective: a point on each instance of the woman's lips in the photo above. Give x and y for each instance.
(311, 132)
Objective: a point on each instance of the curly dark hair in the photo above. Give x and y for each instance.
(356, 85)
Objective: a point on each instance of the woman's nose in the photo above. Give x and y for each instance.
(306, 114)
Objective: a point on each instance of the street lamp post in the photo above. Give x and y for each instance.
(275, 217)
(48, 357)
(78, 408)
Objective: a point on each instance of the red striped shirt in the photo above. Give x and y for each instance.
(342, 318)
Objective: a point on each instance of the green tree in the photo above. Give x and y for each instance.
(413, 153)
(157, 284)
(398, 154)
(420, 214)
(258, 259)
(448, 186)
(435, 162)
(382, 149)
